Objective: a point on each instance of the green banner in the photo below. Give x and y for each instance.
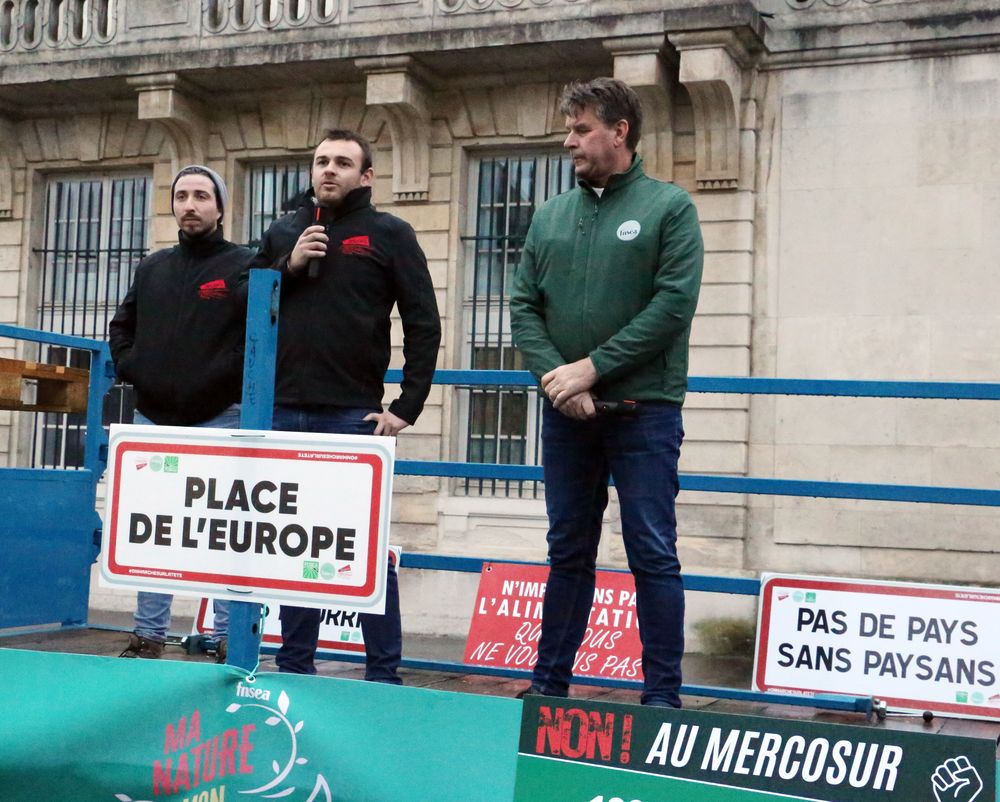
(577, 751)
(98, 729)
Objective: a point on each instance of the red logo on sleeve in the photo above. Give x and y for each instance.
(356, 246)
(212, 290)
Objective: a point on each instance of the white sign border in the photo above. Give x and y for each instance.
(382, 448)
(956, 710)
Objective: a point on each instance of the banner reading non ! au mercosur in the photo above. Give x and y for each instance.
(582, 751)
(287, 517)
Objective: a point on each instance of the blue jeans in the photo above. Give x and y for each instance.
(152, 610)
(383, 634)
(641, 453)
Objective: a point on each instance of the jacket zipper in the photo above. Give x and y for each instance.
(587, 271)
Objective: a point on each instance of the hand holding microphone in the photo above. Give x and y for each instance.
(310, 249)
(313, 271)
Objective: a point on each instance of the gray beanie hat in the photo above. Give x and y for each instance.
(221, 193)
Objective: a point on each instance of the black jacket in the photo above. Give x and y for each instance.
(333, 332)
(178, 335)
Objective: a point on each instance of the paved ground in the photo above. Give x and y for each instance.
(108, 637)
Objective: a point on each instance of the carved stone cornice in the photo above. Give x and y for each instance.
(164, 98)
(397, 87)
(802, 5)
(711, 69)
(458, 6)
(7, 140)
(639, 61)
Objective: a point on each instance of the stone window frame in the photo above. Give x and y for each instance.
(95, 312)
(485, 324)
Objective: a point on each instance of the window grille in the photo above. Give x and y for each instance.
(270, 190)
(95, 234)
(502, 424)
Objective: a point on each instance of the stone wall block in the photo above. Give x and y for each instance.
(728, 236)
(48, 139)
(251, 128)
(721, 330)
(480, 112)
(506, 114)
(715, 424)
(732, 267)
(27, 136)
(90, 132)
(716, 299)
(719, 207)
(432, 217)
(715, 522)
(719, 361)
(114, 136)
(534, 108)
(451, 105)
(10, 232)
(714, 457)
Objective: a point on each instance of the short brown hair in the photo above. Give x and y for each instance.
(343, 135)
(611, 100)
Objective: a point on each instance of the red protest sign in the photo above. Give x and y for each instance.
(507, 623)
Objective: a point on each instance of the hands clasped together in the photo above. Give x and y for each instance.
(568, 388)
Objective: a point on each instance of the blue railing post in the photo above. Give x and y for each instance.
(245, 622)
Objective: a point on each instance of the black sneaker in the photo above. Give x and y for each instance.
(221, 650)
(143, 648)
(531, 690)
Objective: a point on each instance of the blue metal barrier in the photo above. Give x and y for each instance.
(256, 412)
(57, 496)
(742, 484)
(723, 484)
(51, 531)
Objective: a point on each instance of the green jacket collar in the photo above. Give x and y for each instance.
(619, 180)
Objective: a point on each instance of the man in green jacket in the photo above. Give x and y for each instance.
(601, 308)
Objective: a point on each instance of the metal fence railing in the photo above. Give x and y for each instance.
(719, 484)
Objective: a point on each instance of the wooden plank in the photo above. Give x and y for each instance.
(57, 388)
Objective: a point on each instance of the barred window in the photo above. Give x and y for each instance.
(270, 190)
(95, 234)
(502, 424)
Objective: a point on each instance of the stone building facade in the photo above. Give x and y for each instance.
(842, 155)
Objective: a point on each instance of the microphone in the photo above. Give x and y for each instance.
(313, 270)
(618, 408)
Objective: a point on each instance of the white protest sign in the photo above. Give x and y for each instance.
(339, 628)
(917, 647)
(246, 515)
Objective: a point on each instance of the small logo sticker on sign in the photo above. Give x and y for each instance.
(629, 230)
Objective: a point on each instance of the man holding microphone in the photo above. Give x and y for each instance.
(344, 266)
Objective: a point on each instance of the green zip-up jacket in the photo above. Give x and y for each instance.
(616, 278)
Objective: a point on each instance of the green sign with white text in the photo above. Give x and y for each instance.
(576, 751)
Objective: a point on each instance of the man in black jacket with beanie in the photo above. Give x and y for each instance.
(344, 266)
(178, 338)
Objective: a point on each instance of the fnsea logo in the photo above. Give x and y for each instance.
(629, 230)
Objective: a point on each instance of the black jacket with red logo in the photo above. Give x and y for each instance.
(333, 332)
(178, 335)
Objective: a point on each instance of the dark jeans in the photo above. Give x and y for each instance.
(383, 634)
(641, 453)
